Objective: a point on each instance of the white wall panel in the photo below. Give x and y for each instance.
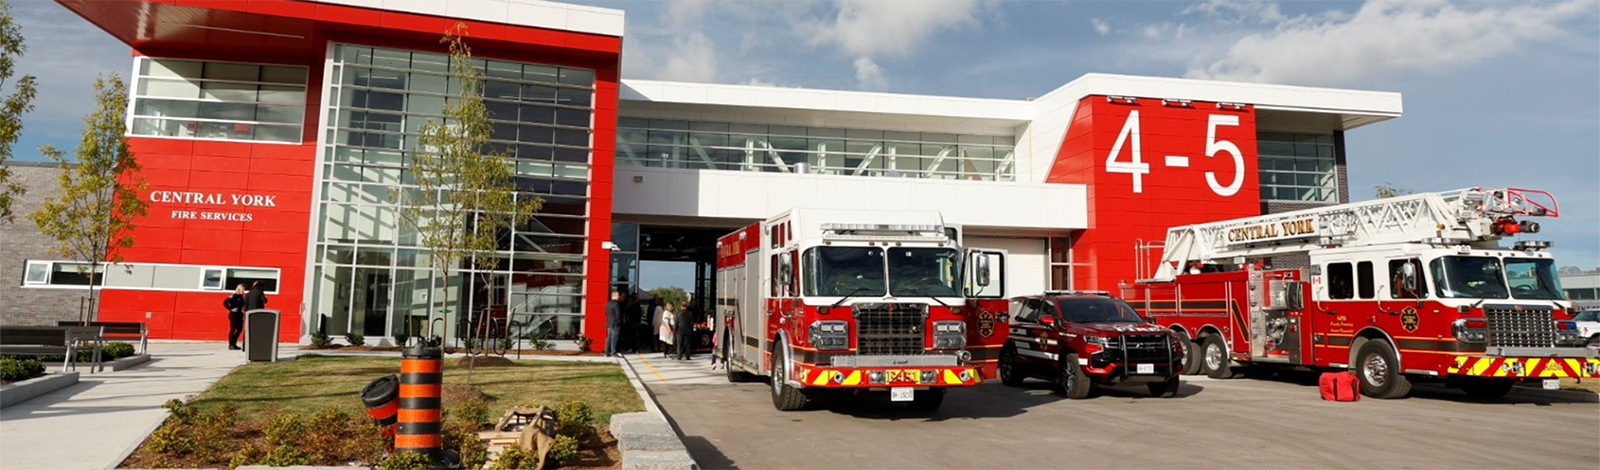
(756, 196)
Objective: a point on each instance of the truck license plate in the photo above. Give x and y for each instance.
(1552, 384)
(900, 393)
(1145, 368)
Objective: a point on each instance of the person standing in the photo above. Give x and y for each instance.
(235, 305)
(613, 323)
(664, 330)
(684, 337)
(256, 298)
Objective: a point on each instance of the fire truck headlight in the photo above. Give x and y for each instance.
(830, 335)
(1469, 330)
(948, 334)
(875, 377)
(928, 376)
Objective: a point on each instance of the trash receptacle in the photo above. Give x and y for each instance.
(261, 335)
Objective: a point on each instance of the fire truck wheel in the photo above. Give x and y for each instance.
(1484, 387)
(1009, 374)
(1379, 371)
(1164, 389)
(1214, 359)
(1071, 379)
(927, 400)
(784, 396)
(1191, 355)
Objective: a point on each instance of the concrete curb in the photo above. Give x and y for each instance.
(1573, 395)
(127, 362)
(647, 442)
(19, 392)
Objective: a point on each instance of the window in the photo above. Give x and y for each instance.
(248, 276)
(211, 279)
(218, 100)
(37, 273)
(147, 276)
(76, 274)
(1027, 311)
(1297, 167)
(1364, 280)
(1341, 281)
(1406, 280)
(1047, 308)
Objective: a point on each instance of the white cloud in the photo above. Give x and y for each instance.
(1235, 10)
(1386, 37)
(1101, 26)
(869, 76)
(888, 28)
(693, 59)
(686, 13)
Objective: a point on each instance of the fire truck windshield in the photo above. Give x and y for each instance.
(1469, 277)
(923, 272)
(844, 271)
(1532, 278)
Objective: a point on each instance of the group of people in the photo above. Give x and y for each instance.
(242, 301)
(671, 327)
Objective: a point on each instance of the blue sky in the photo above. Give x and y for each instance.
(1495, 93)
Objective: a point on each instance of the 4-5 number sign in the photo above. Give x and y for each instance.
(1137, 167)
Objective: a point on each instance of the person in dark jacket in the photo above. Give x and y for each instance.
(256, 298)
(235, 305)
(687, 317)
(613, 323)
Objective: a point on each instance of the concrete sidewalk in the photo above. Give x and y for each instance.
(96, 423)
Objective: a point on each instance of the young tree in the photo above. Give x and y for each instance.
(466, 197)
(12, 106)
(92, 219)
(670, 294)
(1388, 190)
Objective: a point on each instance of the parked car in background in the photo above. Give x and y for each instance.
(1078, 339)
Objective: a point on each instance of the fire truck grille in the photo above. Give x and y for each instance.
(883, 328)
(1146, 348)
(1520, 328)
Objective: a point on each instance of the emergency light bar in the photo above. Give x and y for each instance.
(882, 227)
(1525, 245)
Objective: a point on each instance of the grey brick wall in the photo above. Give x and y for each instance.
(20, 241)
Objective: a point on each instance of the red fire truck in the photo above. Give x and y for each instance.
(846, 301)
(1397, 290)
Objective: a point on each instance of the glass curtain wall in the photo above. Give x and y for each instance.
(856, 152)
(1297, 167)
(372, 275)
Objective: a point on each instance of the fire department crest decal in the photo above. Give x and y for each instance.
(1409, 319)
(985, 323)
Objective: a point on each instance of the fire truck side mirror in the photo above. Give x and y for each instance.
(981, 269)
(786, 268)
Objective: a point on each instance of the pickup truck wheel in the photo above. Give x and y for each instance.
(1009, 374)
(1379, 371)
(1214, 358)
(1594, 340)
(1071, 379)
(927, 400)
(1191, 356)
(1164, 389)
(1484, 387)
(784, 396)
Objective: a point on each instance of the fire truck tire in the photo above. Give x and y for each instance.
(927, 400)
(1164, 389)
(1214, 359)
(1484, 387)
(1379, 371)
(784, 396)
(1007, 366)
(1191, 355)
(1071, 380)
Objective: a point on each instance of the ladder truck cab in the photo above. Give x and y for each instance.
(847, 301)
(1397, 290)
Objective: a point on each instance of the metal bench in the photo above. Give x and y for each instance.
(118, 329)
(50, 341)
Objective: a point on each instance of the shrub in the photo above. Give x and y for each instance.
(505, 342)
(574, 418)
(400, 338)
(463, 438)
(16, 370)
(474, 412)
(539, 343)
(283, 428)
(406, 461)
(355, 339)
(584, 343)
(563, 451)
(286, 456)
(197, 434)
(116, 350)
(319, 339)
(515, 456)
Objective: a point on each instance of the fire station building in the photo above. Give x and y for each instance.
(275, 137)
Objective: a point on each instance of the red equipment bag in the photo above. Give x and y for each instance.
(1339, 386)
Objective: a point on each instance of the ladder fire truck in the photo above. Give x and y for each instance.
(843, 301)
(1397, 290)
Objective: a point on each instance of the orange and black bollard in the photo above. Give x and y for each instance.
(421, 374)
(382, 400)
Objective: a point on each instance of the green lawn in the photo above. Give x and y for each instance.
(311, 383)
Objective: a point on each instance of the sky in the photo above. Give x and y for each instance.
(1500, 94)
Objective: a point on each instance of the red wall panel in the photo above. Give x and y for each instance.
(1161, 175)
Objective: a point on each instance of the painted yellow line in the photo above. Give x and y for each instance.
(652, 369)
